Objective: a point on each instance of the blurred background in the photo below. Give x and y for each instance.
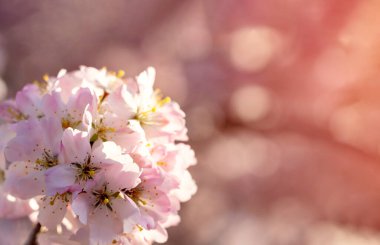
(282, 100)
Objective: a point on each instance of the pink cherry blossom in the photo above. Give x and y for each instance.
(104, 206)
(114, 121)
(99, 81)
(151, 197)
(175, 160)
(94, 158)
(75, 112)
(9, 113)
(160, 118)
(11, 206)
(81, 163)
(29, 101)
(34, 149)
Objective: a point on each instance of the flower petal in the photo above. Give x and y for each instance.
(75, 146)
(24, 182)
(51, 212)
(59, 179)
(80, 206)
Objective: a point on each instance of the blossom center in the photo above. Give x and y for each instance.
(64, 197)
(66, 123)
(47, 160)
(85, 171)
(16, 115)
(135, 195)
(103, 197)
(162, 164)
(147, 116)
(101, 132)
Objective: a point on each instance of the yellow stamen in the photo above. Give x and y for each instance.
(64, 198)
(45, 77)
(91, 173)
(53, 200)
(142, 201)
(164, 101)
(65, 123)
(140, 227)
(162, 164)
(120, 74)
(106, 201)
(18, 116)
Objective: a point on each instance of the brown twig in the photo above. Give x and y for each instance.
(32, 239)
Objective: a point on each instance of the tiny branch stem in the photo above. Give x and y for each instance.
(32, 239)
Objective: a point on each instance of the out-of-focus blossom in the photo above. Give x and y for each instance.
(251, 49)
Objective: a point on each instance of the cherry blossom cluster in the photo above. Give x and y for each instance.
(95, 157)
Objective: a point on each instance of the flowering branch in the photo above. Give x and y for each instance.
(97, 156)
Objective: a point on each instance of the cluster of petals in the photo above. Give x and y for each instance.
(95, 158)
